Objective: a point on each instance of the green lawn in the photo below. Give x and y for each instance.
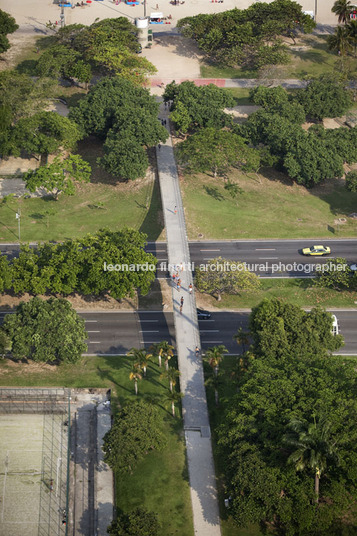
(300, 292)
(271, 206)
(94, 206)
(313, 58)
(160, 482)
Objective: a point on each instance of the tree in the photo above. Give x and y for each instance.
(141, 359)
(163, 350)
(325, 96)
(7, 26)
(223, 276)
(351, 29)
(136, 522)
(339, 41)
(172, 375)
(268, 96)
(342, 8)
(334, 274)
(124, 158)
(58, 177)
(216, 382)
(5, 273)
(4, 343)
(135, 375)
(45, 133)
(313, 447)
(242, 338)
(351, 181)
(137, 429)
(46, 331)
(214, 356)
(171, 398)
(216, 151)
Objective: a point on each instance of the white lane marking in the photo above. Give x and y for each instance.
(209, 330)
(267, 258)
(145, 331)
(94, 342)
(90, 320)
(147, 342)
(210, 250)
(265, 249)
(93, 331)
(147, 321)
(155, 250)
(207, 258)
(202, 320)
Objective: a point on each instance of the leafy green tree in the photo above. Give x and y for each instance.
(124, 63)
(242, 338)
(135, 375)
(172, 375)
(5, 273)
(45, 133)
(334, 274)
(171, 398)
(141, 359)
(163, 350)
(268, 96)
(214, 356)
(7, 26)
(58, 177)
(124, 157)
(216, 151)
(339, 41)
(342, 8)
(46, 331)
(198, 107)
(137, 429)
(4, 343)
(312, 447)
(136, 522)
(278, 328)
(326, 96)
(215, 381)
(223, 276)
(351, 181)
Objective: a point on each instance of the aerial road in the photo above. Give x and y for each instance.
(268, 258)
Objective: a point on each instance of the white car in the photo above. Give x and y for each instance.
(335, 329)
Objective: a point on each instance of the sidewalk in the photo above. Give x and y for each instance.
(194, 404)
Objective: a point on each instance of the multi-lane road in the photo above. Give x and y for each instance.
(114, 333)
(266, 257)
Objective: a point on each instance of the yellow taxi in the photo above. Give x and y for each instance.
(317, 250)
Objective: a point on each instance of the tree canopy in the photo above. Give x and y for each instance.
(250, 37)
(137, 429)
(7, 26)
(46, 331)
(139, 521)
(223, 276)
(291, 420)
(325, 96)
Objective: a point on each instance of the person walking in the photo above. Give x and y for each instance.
(182, 300)
(175, 210)
(190, 288)
(178, 284)
(197, 351)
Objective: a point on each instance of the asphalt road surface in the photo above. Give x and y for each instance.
(268, 258)
(114, 333)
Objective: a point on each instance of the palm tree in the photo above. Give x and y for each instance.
(340, 41)
(134, 376)
(172, 398)
(165, 351)
(155, 351)
(241, 337)
(351, 30)
(242, 365)
(141, 358)
(214, 356)
(215, 382)
(342, 8)
(313, 445)
(172, 375)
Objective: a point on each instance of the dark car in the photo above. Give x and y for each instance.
(202, 314)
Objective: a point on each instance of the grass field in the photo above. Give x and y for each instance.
(94, 206)
(300, 292)
(271, 206)
(160, 482)
(309, 57)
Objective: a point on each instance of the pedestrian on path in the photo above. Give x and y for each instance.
(178, 284)
(175, 210)
(182, 301)
(159, 146)
(181, 266)
(190, 288)
(197, 351)
(173, 277)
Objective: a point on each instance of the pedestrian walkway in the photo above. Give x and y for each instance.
(289, 83)
(194, 404)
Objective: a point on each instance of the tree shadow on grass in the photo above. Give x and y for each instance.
(214, 192)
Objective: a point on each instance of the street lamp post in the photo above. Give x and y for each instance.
(18, 217)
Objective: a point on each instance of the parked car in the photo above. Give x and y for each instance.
(202, 314)
(316, 250)
(335, 328)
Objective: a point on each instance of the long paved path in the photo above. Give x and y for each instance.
(194, 403)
